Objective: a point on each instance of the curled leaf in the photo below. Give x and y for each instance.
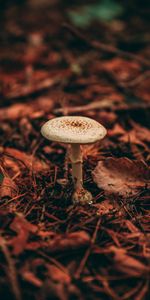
(121, 175)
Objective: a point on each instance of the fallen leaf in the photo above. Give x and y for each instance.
(137, 137)
(123, 70)
(116, 131)
(23, 228)
(30, 161)
(143, 90)
(121, 175)
(22, 90)
(31, 278)
(70, 241)
(8, 188)
(20, 110)
(126, 263)
(62, 242)
(29, 271)
(104, 207)
(57, 275)
(141, 132)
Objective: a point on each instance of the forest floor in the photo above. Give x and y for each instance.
(50, 248)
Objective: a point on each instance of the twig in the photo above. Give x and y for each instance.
(102, 104)
(12, 271)
(87, 253)
(24, 92)
(138, 79)
(133, 216)
(106, 48)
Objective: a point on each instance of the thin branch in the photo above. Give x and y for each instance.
(87, 253)
(12, 270)
(106, 48)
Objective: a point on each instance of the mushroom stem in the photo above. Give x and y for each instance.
(80, 195)
(76, 161)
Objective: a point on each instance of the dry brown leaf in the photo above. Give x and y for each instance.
(66, 242)
(104, 207)
(20, 110)
(139, 135)
(134, 137)
(141, 132)
(20, 90)
(126, 263)
(31, 278)
(123, 70)
(69, 241)
(8, 188)
(23, 228)
(143, 90)
(30, 161)
(57, 275)
(121, 175)
(116, 131)
(29, 271)
(11, 166)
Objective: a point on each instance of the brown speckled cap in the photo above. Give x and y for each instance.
(73, 130)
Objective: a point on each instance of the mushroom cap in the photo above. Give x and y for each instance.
(73, 130)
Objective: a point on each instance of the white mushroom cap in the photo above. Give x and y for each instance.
(73, 130)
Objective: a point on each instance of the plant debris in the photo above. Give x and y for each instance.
(50, 67)
(122, 176)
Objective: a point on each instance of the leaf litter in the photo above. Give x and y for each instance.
(50, 249)
(122, 176)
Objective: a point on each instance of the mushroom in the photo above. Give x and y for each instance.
(75, 130)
